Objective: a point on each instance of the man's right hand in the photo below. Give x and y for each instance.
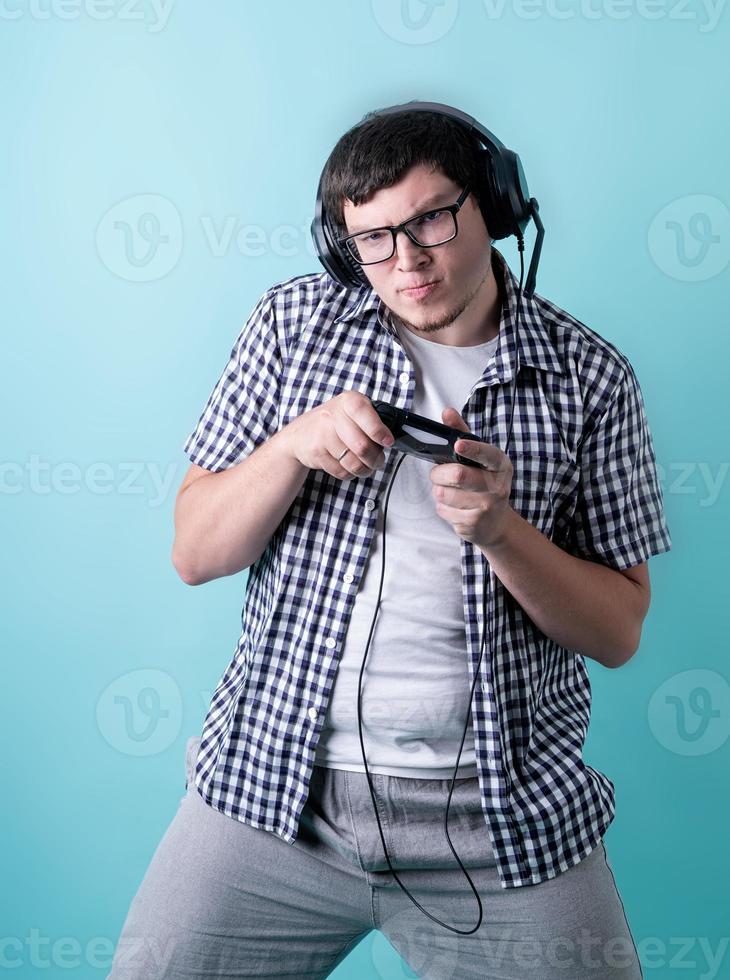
(347, 421)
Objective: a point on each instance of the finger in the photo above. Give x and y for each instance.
(362, 412)
(451, 417)
(458, 515)
(364, 455)
(459, 499)
(491, 457)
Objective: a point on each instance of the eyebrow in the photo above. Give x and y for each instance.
(423, 206)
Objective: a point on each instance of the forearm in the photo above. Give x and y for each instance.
(224, 521)
(581, 605)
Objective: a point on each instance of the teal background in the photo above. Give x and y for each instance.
(228, 111)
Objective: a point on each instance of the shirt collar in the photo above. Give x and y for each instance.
(535, 346)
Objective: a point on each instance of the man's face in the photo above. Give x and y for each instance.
(461, 267)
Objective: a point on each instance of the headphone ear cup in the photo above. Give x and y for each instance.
(336, 260)
(350, 268)
(493, 205)
(506, 209)
(517, 193)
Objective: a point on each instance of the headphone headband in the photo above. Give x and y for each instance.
(502, 192)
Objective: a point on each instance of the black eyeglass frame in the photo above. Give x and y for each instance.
(394, 229)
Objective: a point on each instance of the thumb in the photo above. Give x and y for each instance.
(451, 417)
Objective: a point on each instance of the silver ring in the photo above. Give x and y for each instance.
(342, 454)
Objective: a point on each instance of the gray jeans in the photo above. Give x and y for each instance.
(223, 899)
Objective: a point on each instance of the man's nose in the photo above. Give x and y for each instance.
(406, 249)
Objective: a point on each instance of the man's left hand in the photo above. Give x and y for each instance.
(474, 501)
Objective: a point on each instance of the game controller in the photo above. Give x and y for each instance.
(425, 438)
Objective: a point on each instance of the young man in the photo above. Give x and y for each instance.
(273, 865)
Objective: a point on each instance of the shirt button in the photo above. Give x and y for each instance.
(330, 642)
(347, 577)
(404, 377)
(369, 504)
(312, 714)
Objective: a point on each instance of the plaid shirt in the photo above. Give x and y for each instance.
(584, 475)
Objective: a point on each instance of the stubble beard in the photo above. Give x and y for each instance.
(446, 319)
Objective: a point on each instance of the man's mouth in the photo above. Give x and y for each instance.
(418, 292)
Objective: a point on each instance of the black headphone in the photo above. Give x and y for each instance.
(502, 193)
(507, 209)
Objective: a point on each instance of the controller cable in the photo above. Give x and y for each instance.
(461, 932)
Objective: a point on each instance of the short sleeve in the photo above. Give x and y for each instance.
(619, 517)
(242, 410)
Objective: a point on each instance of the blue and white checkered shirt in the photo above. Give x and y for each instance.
(584, 475)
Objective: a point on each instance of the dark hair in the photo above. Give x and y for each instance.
(380, 150)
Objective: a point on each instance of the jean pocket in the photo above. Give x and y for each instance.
(192, 747)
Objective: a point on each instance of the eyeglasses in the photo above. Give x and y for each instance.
(426, 230)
